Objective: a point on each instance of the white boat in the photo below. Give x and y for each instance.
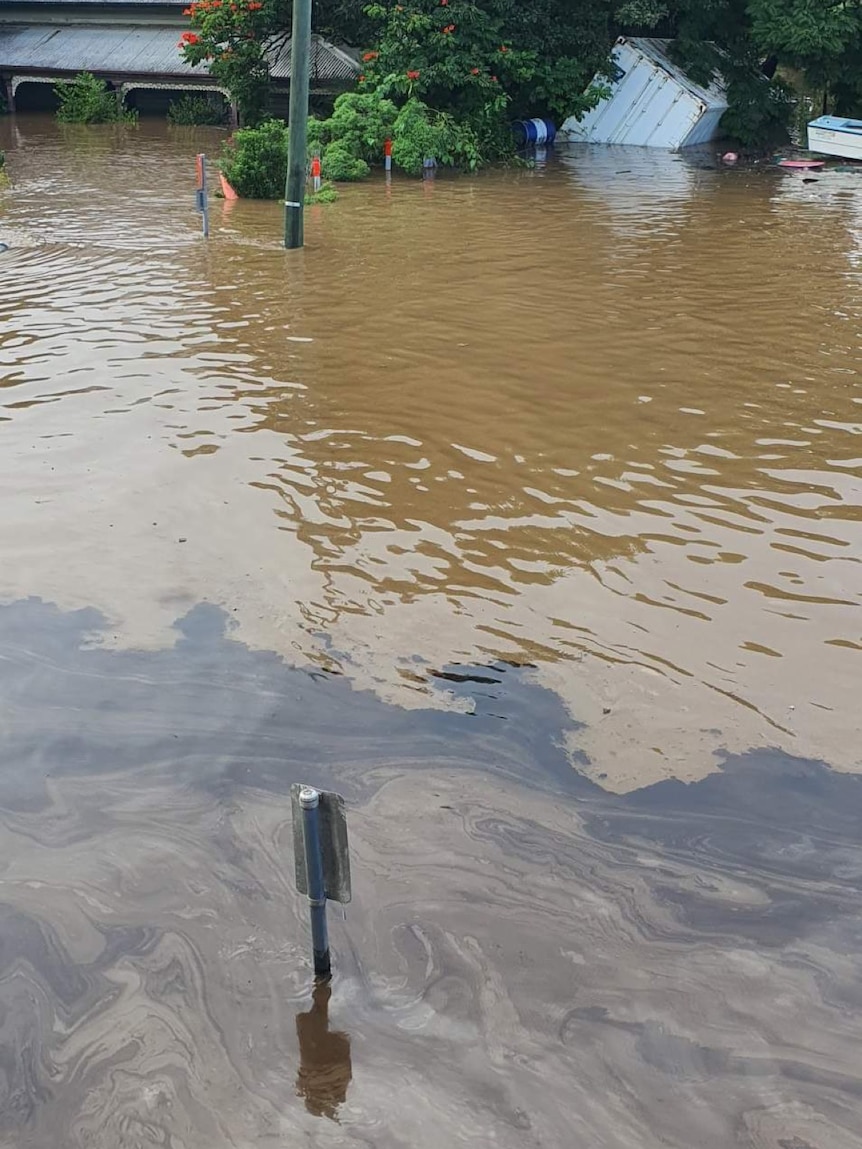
(835, 136)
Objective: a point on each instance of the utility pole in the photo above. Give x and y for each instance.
(300, 60)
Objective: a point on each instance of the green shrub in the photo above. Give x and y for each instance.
(340, 165)
(318, 134)
(254, 160)
(87, 100)
(420, 133)
(759, 112)
(192, 109)
(362, 122)
(325, 195)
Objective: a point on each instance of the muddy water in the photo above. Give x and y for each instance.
(524, 510)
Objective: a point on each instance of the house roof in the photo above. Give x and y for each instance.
(89, 48)
(138, 50)
(90, 4)
(328, 61)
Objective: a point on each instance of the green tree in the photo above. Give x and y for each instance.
(820, 38)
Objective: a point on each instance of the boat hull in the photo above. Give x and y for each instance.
(836, 137)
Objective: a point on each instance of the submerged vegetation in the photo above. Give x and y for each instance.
(87, 100)
(443, 79)
(199, 109)
(254, 160)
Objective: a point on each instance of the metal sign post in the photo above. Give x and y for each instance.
(201, 193)
(322, 861)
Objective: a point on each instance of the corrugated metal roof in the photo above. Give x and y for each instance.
(137, 50)
(328, 62)
(91, 4)
(88, 48)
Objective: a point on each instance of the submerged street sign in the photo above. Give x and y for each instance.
(321, 860)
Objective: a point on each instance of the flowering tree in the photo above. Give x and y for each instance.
(474, 59)
(229, 36)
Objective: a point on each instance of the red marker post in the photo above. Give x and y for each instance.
(201, 193)
(387, 156)
(315, 173)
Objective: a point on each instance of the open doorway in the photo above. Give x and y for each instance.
(36, 96)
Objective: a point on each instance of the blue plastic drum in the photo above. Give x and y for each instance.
(535, 131)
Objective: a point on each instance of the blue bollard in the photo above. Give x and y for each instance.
(309, 800)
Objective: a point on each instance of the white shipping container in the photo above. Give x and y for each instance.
(652, 102)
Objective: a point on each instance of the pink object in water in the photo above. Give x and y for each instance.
(226, 190)
(803, 164)
(730, 157)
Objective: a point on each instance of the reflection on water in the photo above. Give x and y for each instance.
(602, 418)
(541, 964)
(324, 1070)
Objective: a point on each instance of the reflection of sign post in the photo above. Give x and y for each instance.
(201, 194)
(324, 1058)
(322, 860)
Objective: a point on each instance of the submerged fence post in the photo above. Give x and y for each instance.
(309, 800)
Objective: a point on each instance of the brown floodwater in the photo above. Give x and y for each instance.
(525, 510)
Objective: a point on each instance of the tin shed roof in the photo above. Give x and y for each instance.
(328, 62)
(138, 50)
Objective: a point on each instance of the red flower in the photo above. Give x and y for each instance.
(449, 28)
(188, 12)
(361, 79)
(413, 75)
(503, 48)
(444, 3)
(474, 71)
(188, 38)
(370, 56)
(254, 5)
